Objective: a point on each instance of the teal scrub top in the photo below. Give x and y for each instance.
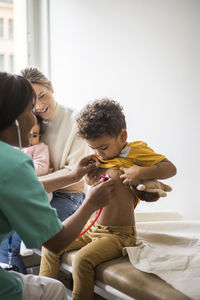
(24, 208)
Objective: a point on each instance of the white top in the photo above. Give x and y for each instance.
(65, 147)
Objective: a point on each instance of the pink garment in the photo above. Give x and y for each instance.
(40, 156)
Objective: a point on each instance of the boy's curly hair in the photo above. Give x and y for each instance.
(103, 116)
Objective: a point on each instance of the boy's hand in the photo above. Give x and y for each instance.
(85, 165)
(131, 175)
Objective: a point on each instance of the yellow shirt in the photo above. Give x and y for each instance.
(135, 153)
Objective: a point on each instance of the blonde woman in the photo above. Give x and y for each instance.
(65, 147)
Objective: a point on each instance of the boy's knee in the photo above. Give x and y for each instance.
(51, 255)
(81, 264)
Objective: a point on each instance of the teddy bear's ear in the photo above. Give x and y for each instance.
(148, 184)
(166, 187)
(140, 187)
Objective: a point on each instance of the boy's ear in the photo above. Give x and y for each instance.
(123, 135)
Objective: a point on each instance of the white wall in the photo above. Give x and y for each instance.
(146, 55)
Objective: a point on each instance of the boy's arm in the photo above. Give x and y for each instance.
(162, 170)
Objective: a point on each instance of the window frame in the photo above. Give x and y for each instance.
(38, 35)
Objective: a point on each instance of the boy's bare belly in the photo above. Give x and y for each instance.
(120, 211)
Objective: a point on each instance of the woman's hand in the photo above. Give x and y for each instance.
(86, 165)
(131, 176)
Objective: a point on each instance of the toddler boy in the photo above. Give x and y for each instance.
(102, 124)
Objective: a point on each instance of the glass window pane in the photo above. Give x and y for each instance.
(1, 27)
(10, 22)
(13, 35)
(2, 63)
(11, 58)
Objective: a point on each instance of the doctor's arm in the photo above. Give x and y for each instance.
(63, 178)
(97, 197)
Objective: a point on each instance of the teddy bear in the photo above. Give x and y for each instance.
(151, 190)
(147, 190)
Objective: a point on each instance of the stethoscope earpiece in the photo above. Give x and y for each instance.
(18, 133)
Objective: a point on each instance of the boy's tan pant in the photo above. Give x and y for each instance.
(99, 244)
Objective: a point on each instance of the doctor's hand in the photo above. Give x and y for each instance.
(85, 165)
(100, 193)
(92, 176)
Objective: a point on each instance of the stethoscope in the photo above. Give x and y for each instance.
(18, 135)
(10, 238)
(105, 177)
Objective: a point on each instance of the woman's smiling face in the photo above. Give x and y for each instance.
(45, 103)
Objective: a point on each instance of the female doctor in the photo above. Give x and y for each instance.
(66, 148)
(24, 205)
